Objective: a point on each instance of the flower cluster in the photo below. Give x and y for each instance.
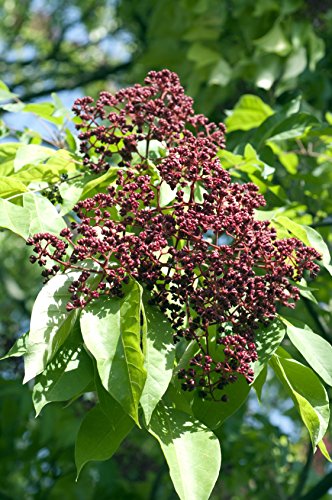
(216, 272)
(116, 124)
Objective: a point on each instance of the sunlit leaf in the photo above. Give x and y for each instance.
(50, 324)
(44, 217)
(31, 154)
(14, 218)
(192, 452)
(307, 393)
(111, 332)
(248, 113)
(315, 350)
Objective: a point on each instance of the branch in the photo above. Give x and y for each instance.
(319, 489)
(82, 79)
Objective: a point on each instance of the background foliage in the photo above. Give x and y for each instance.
(271, 64)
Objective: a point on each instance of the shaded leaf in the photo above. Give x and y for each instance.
(18, 349)
(295, 64)
(267, 340)
(159, 354)
(202, 55)
(105, 179)
(214, 414)
(259, 382)
(66, 376)
(102, 431)
(221, 73)
(292, 127)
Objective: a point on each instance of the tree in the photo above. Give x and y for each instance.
(54, 354)
(84, 44)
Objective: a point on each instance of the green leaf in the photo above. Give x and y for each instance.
(28, 154)
(307, 393)
(295, 64)
(104, 179)
(14, 218)
(166, 194)
(274, 41)
(18, 349)
(267, 71)
(60, 108)
(316, 241)
(272, 123)
(102, 431)
(50, 171)
(7, 155)
(44, 217)
(44, 110)
(192, 452)
(325, 453)
(316, 49)
(208, 412)
(10, 187)
(221, 73)
(70, 193)
(50, 324)
(37, 174)
(159, 354)
(315, 350)
(202, 55)
(305, 290)
(248, 113)
(66, 376)
(267, 341)
(259, 382)
(111, 332)
(155, 149)
(214, 414)
(289, 160)
(5, 93)
(13, 107)
(307, 235)
(293, 127)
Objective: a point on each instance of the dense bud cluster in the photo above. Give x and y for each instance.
(215, 271)
(117, 124)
